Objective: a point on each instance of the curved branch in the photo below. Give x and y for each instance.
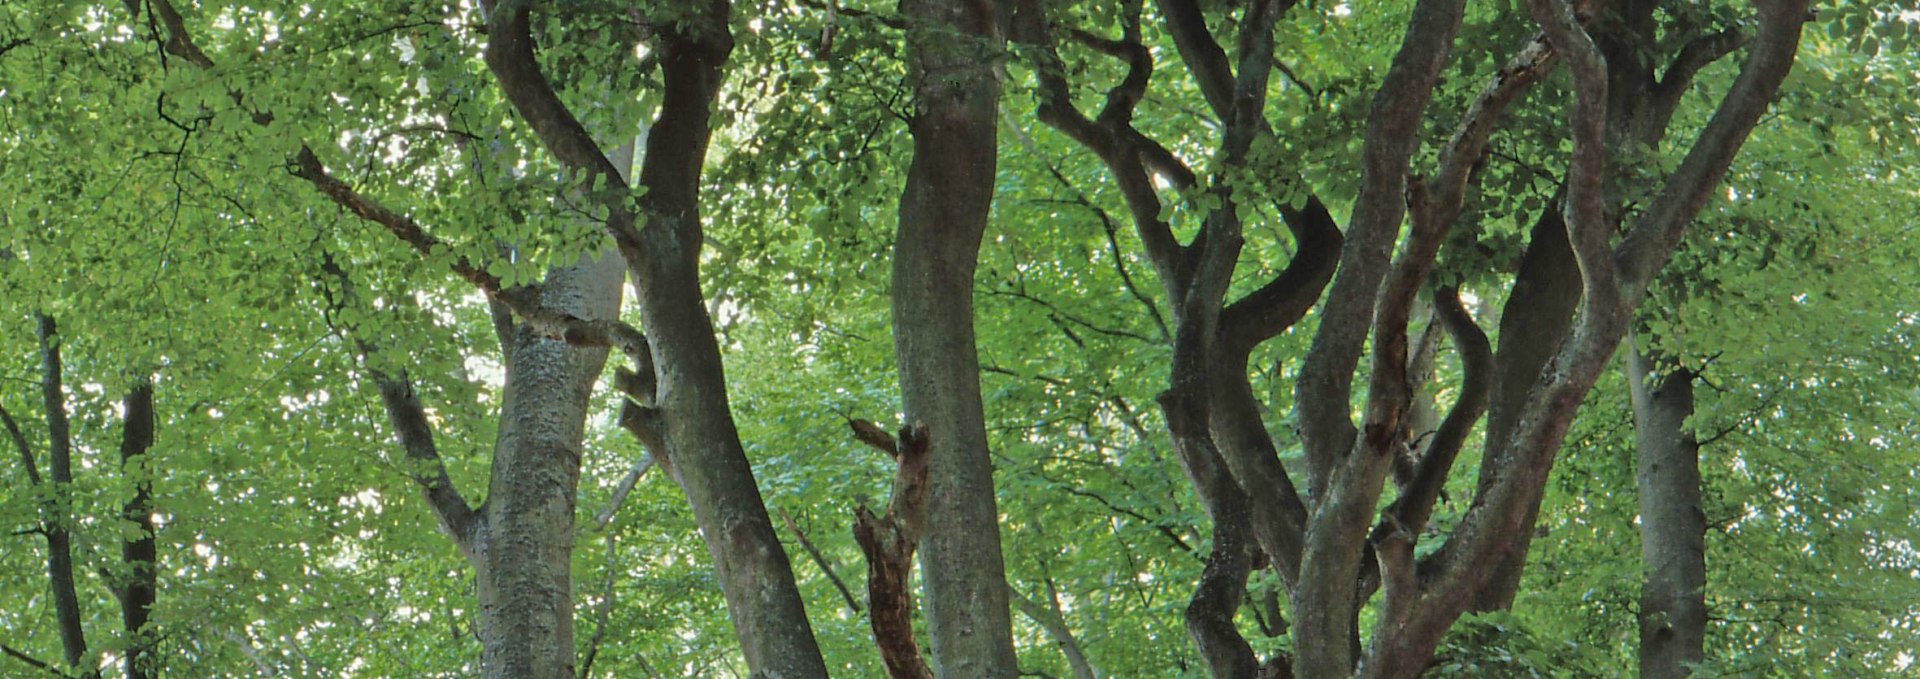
(1771, 56)
(1270, 310)
(510, 55)
(1414, 507)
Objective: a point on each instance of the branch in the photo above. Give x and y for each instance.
(820, 560)
(179, 41)
(1653, 237)
(1325, 606)
(621, 491)
(456, 516)
(1106, 223)
(20, 443)
(523, 300)
(1588, 229)
(1201, 52)
(1326, 379)
(600, 613)
(1502, 509)
(510, 55)
(889, 542)
(1283, 301)
(1048, 617)
(1112, 139)
(1414, 507)
(36, 663)
(1696, 55)
(1447, 191)
(57, 526)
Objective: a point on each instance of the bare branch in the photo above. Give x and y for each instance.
(620, 491)
(20, 444)
(820, 559)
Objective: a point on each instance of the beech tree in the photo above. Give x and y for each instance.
(1481, 340)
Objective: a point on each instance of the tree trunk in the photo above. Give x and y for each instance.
(57, 525)
(1673, 609)
(138, 555)
(523, 553)
(943, 214)
(700, 445)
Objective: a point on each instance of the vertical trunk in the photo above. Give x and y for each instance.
(57, 525)
(137, 555)
(523, 555)
(1673, 610)
(701, 445)
(943, 214)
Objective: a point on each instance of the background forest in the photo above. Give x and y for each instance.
(1056, 338)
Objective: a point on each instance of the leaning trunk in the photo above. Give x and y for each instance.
(692, 424)
(943, 214)
(1673, 608)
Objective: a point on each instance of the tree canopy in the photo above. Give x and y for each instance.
(793, 338)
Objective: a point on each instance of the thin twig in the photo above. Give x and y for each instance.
(820, 560)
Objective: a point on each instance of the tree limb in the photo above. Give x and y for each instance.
(1048, 617)
(20, 444)
(31, 661)
(457, 518)
(1652, 239)
(1392, 133)
(820, 559)
(1412, 509)
(1344, 486)
(620, 491)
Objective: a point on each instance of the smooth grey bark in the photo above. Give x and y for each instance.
(1673, 608)
(953, 49)
(523, 551)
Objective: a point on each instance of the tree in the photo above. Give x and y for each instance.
(939, 215)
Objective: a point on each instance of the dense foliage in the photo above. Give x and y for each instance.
(178, 218)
